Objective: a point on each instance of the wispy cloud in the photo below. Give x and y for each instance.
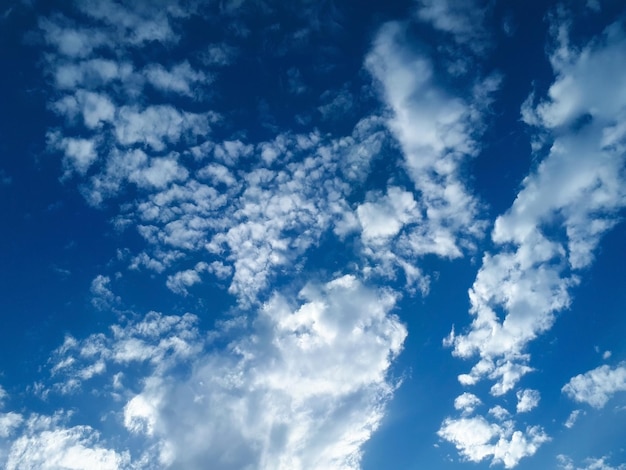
(567, 463)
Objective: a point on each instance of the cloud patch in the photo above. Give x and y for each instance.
(597, 386)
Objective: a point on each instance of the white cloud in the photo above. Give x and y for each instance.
(80, 154)
(302, 386)
(477, 439)
(467, 403)
(499, 413)
(575, 191)
(94, 108)
(384, 216)
(434, 132)
(8, 421)
(91, 73)
(577, 90)
(567, 463)
(103, 298)
(136, 23)
(69, 40)
(597, 386)
(179, 281)
(45, 444)
(157, 125)
(527, 400)
(306, 396)
(161, 341)
(179, 79)
(572, 418)
(463, 20)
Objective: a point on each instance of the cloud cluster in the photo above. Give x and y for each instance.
(47, 444)
(301, 381)
(574, 195)
(302, 386)
(476, 439)
(436, 132)
(575, 191)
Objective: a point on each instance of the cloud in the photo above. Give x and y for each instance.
(465, 21)
(385, 216)
(46, 444)
(572, 418)
(103, 298)
(180, 79)
(575, 191)
(527, 400)
(69, 40)
(92, 73)
(8, 421)
(436, 133)
(566, 463)
(542, 243)
(301, 385)
(597, 386)
(180, 281)
(477, 439)
(467, 403)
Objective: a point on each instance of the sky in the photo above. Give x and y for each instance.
(311, 235)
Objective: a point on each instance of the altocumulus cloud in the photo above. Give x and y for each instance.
(211, 185)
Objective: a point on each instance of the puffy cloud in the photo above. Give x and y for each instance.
(179, 79)
(305, 391)
(467, 403)
(577, 91)
(8, 421)
(218, 55)
(477, 439)
(94, 108)
(91, 73)
(597, 386)
(576, 191)
(179, 281)
(161, 341)
(303, 384)
(385, 216)
(46, 444)
(436, 132)
(138, 23)
(70, 40)
(157, 125)
(527, 400)
(550, 232)
(80, 154)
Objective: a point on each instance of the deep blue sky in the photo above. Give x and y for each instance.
(255, 234)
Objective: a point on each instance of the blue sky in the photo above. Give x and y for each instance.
(246, 234)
